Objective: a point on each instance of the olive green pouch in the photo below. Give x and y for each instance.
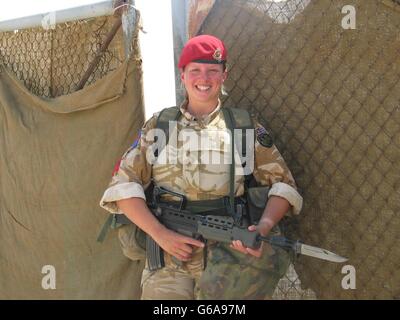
(256, 201)
(132, 240)
(131, 237)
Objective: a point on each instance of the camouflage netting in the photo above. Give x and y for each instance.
(58, 147)
(330, 96)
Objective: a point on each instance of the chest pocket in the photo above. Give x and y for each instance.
(206, 161)
(207, 148)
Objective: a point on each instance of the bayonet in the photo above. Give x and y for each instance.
(303, 249)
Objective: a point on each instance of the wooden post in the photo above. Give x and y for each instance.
(106, 43)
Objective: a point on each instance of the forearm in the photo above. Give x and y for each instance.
(138, 212)
(173, 243)
(274, 211)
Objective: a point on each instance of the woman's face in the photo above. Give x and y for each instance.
(203, 82)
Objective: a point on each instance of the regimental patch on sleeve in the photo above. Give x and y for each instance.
(264, 138)
(116, 168)
(133, 146)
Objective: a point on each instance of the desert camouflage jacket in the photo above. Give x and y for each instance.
(196, 162)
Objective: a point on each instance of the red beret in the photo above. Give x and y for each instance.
(204, 49)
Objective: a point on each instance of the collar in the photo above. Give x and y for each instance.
(204, 120)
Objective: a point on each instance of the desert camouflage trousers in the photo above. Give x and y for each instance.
(229, 275)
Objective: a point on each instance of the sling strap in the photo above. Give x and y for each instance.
(229, 124)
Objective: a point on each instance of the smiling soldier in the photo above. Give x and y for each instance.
(193, 268)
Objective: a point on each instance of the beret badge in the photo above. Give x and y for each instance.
(217, 55)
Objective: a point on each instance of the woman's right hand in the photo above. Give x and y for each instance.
(177, 245)
(173, 243)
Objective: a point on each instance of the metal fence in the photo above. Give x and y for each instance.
(330, 96)
(52, 62)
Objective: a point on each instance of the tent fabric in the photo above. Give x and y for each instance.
(56, 159)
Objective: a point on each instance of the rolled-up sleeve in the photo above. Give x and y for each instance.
(288, 192)
(118, 192)
(133, 173)
(271, 170)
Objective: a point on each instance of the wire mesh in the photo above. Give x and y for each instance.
(330, 96)
(51, 62)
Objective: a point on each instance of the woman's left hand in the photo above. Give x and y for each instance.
(238, 245)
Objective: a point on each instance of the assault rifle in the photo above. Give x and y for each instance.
(217, 228)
